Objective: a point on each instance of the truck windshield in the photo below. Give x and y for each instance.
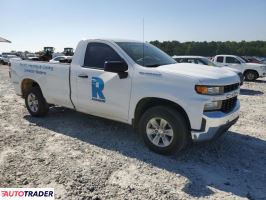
(146, 54)
(241, 60)
(207, 62)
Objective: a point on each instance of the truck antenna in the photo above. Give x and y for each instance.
(143, 26)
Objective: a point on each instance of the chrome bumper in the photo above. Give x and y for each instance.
(215, 124)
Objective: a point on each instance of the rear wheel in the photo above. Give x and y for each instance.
(251, 75)
(35, 102)
(164, 130)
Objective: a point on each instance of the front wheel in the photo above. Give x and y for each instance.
(35, 102)
(164, 130)
(251, 75)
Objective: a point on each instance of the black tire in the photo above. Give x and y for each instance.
(175, 120)
(42, 108)
(251, 75)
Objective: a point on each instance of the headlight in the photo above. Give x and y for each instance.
(214, 105)
(210, 90)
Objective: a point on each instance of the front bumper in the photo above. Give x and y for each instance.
(215, 124)
(241, 77)
(262, 73)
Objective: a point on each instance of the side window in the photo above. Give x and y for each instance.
(220, 59)
(232, 60)
(191, 60)
(177, 60)
(200, 62)
(97, 54)
(183, 60)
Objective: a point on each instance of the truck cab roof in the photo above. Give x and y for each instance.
(114, 40)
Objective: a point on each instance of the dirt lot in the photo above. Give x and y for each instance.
(84, 157)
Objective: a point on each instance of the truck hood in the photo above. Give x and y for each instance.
(202, 73)
(254, 64)
(232, 69)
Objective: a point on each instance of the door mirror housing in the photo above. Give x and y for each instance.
(119, 67)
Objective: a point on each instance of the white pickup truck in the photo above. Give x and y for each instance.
(251, 71)
(170, 104)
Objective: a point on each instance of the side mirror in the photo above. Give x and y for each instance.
(119, 67)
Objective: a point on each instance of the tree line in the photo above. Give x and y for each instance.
(243, 48)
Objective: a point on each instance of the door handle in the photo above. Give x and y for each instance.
(83, 76)
(225, 65)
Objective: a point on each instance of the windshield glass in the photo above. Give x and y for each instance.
(207, 62)
(146, 54)
(241, 60)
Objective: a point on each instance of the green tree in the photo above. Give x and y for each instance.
(243, 48)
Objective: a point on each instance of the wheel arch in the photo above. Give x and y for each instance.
(148, 102)
(26, 84)
(252, 70)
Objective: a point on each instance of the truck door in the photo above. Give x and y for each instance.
(102, 93)
(234, 63)
(219, 61)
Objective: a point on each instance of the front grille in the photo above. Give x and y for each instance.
(228, 104)
(229, 88)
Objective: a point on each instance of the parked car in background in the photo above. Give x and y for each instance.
(57, 54)
(193, 59)
(31, 56)
(6, 58)
(250, 59)
(251, 71)
(62, 59)
(205, 61)
(263, 60)
(4, 55)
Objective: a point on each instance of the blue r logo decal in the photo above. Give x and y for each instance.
(97, 85)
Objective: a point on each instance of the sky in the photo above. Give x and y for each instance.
(33, 24)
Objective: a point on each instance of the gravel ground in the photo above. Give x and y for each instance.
(85, 157)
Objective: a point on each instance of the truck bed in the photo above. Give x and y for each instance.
(52, 78)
